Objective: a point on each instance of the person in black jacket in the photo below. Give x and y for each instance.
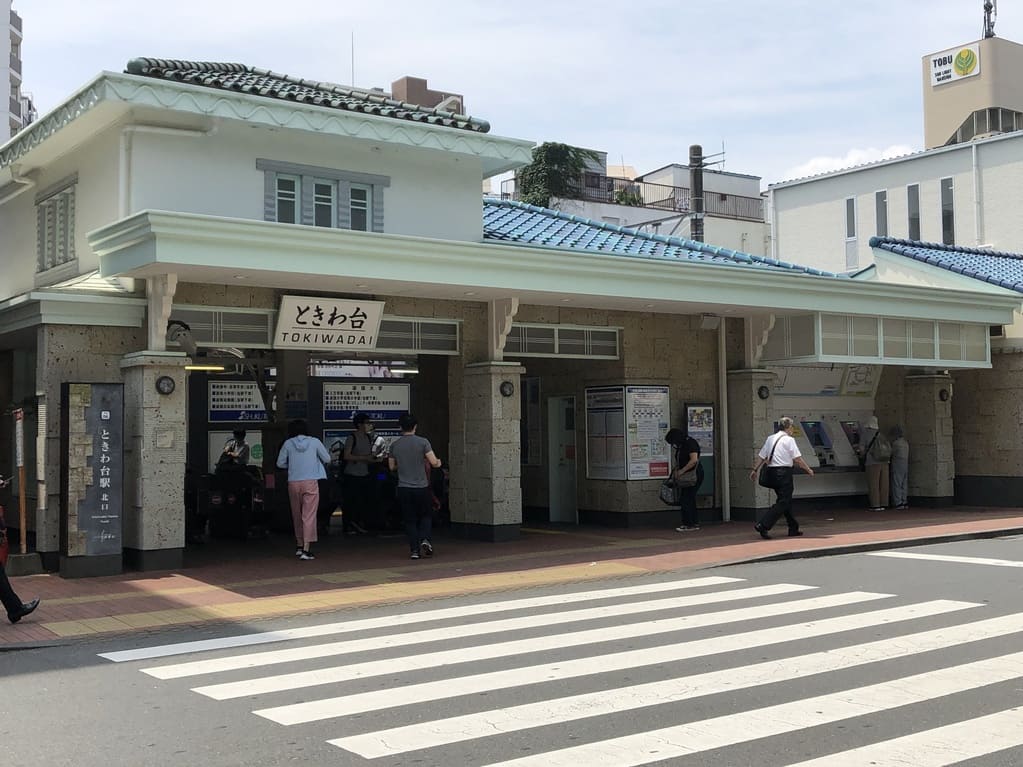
(16, 609)
(686, 459)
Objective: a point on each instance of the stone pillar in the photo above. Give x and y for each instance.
(749, 424)
(929, 431)
(485, 491)
(155, 434)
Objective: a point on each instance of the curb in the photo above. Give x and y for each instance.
(859, 548)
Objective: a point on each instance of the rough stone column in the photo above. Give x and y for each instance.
(929, 431)
(486, 492)
(155, 437)
(749, 424)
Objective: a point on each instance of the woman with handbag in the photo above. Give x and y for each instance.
(777, 456)
(687, 475)
(16, 609)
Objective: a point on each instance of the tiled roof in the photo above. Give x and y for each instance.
(516, 222)
(993, 266)
(261, 82)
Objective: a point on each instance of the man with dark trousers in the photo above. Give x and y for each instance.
(780, 453)
(410, 455)
(16, 609)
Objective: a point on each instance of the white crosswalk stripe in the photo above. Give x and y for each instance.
(987, 561)
(474, 678)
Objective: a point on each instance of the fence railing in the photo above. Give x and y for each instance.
(15, 63)
(622, 191)
(15, 107)
(16, 21)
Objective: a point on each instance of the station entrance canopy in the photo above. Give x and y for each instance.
(844, 338)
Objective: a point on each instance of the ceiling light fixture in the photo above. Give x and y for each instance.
(208, 368)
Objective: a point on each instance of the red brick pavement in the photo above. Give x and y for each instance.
(241, 581)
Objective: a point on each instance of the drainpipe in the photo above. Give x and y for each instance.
(124, 186)
(24, 184)
(723, 462)
(977, 216)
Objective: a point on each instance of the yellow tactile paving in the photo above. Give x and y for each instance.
(293, 603)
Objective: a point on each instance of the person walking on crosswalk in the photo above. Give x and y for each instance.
(410, 455)
(780, 452)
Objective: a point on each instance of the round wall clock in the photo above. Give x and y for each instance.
(165, 385)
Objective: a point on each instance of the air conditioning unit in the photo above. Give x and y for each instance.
(997, 331)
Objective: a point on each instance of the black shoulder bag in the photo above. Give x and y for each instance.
(768, 478)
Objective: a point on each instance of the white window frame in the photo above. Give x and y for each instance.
(877, 204)
(909, 220)
(366, 207)
(318, 201)
(342, 181)
(941, 207)
(296, 199)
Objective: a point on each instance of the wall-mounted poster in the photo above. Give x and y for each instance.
(380, 401)
(647, 420)
(605, 432)
(235, 402)
(700, 426)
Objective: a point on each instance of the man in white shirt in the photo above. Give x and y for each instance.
(780, 453)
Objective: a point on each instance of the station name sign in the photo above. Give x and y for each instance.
(327, 324)
(954, 64)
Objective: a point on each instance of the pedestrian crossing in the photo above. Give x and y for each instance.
(644, 673)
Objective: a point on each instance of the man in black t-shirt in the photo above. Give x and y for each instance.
(686, 458)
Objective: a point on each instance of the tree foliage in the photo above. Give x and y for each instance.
(556, 171)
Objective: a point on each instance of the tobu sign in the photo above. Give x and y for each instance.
(327, 324)
(954, 64)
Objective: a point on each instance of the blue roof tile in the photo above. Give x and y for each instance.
(992, 266)
(515, 222)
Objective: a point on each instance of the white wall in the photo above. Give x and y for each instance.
(810, 217)
(96, 162)
(713, 181)
(432, 194)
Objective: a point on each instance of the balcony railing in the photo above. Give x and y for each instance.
(16, 21)
(16, 63)
(595, 187)
(16, 108)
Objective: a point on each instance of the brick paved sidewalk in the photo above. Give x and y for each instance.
(236, 582)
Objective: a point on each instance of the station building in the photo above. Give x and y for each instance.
(300, 227)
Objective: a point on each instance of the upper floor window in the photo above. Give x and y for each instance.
(948, 224)
(326, 197)
(913, 210)
(55, 225)
(850, 218)
(881, 212)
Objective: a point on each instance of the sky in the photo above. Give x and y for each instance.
(787, 87)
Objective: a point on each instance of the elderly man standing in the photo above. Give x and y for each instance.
(780, 453)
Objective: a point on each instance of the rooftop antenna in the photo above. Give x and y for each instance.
(990, 16)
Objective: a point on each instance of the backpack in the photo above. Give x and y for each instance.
(880, 448)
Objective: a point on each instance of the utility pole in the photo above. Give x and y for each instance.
(696, 192)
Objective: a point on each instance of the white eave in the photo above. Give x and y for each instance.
(124, 92)
(214, 250)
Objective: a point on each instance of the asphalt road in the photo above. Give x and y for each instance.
(907, 657)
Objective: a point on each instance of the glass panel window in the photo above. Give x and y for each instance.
(801, 335)
(975, 341)
(950, 341)
(835, 334)
(360, 202)
(865, 336)
(948, 228)
(923, 339)
(980, 125)
(913, 207)
(896, 338)
(287, 199)
(324, 207)
(850, 218)
(881, 212)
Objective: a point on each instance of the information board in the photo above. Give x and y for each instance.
(647, 420)
(235, 402)
(605, 432)
(380, 401)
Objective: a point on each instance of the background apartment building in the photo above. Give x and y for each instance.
(16, 109)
